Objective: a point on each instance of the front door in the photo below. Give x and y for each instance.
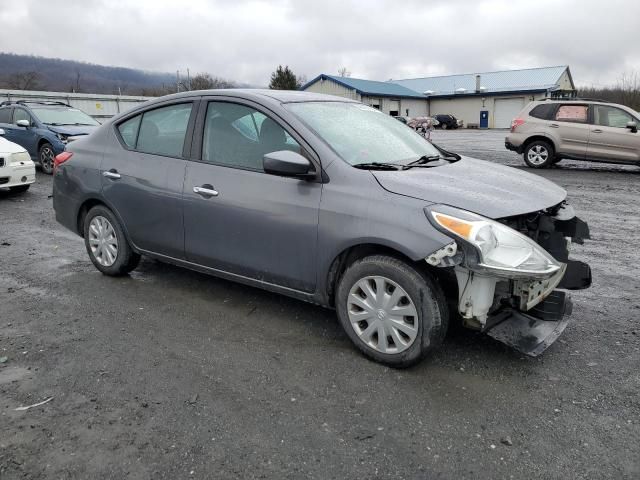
(143, 175)
(26, 137)
(570, 130)
(610, 139)
(241, 220)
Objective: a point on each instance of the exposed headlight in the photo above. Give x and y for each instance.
(498, 248)
(61, 137)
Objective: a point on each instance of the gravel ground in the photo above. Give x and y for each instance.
(173, 374)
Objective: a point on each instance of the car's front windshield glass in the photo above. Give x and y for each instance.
(362, 135)
(63, 116)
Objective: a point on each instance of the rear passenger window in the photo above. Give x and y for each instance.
(543, 111)
(129, 130)
(161, 131)
(572, 113)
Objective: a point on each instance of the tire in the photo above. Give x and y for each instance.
(539, 154)
(421, 299)
(444, 126)
(19, 188)
(45, 157)
(101, 228)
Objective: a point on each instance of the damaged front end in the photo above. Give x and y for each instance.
(511, 273)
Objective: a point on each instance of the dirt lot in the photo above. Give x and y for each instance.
(173, 374)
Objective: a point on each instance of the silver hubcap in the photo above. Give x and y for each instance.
(382, 314)
(103, 241)
(46, 158)
(538, 155)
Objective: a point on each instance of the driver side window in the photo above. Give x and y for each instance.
(239, 136)
(20, 114)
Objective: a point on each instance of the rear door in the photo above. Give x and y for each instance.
(143, 174)
(569, 129)
(610, 139)
(245, 221)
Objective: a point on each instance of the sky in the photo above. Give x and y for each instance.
(245, 41)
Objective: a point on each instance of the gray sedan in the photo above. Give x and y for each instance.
(333, 202)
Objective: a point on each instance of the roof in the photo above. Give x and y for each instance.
(530, 79)
(369, 87)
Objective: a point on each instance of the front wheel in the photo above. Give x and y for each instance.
(390, 311)
(106, 243)
(539, 154)
(46, 157)
(444, 126)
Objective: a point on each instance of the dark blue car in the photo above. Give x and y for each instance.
(43, 128)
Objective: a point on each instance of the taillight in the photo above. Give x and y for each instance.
(60, 159)
(515, 123)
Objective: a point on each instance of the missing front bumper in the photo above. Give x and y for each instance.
(533, 332)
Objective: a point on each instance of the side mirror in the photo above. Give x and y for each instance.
(286, 163)
(633, 126)
(1, 131)
(23, 123)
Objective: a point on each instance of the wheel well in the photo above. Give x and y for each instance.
(357, 252)
(536, 138)
(41, 142)
(82, 213)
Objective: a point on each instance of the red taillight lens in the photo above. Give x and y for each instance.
(60, 159)
(515, 123)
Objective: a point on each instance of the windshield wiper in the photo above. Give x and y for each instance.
(423, 160)
(377, 166)
(82, 124)
(55, 124)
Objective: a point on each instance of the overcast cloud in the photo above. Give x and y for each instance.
(376, 39)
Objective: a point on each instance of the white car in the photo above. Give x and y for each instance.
(17, 170)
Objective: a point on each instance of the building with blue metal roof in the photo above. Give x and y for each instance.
(496, 96)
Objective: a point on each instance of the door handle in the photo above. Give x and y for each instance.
(205, 191)
(554, 125)
(112, 174)
(597, 130)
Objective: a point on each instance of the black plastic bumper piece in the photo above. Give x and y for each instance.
(512, 147)
(533, 332)
(577, 276)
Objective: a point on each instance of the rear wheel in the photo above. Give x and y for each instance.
(19, 188)
(390, 311)
(444, 126)
(539, 154)
(46, 157)
(106, 243)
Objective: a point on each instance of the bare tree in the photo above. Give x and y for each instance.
(343, 72)
(204, 81)
(626, 91)
(24, 81)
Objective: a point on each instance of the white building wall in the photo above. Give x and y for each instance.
(468, 109)
(329, 87)
(98, 106)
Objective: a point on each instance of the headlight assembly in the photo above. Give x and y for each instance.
(62, 138)
(495, 247)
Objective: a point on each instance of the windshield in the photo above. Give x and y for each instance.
(63, 116)
(361, 135)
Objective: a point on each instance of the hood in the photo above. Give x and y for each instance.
(7, 147)
(72, 130)
(486, 188)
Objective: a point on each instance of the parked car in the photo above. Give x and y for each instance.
(43, 128)
(447, 121)
(17, 170)
(547, 131)
(329, 201)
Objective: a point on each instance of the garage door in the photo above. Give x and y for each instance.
(506, 110)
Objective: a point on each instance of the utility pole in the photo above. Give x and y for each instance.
(188, 79)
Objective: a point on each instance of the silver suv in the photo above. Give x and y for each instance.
(548, 131)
